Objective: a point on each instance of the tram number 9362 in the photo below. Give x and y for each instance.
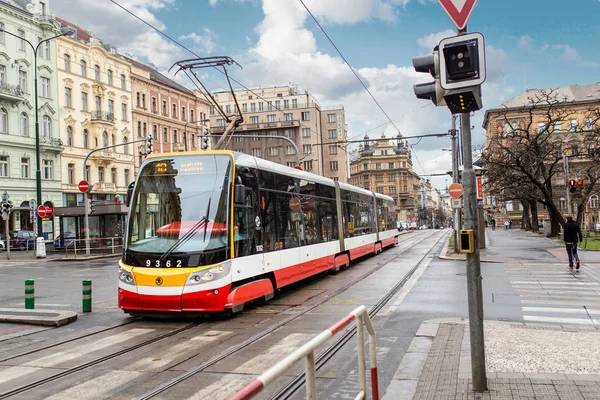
(164, 263)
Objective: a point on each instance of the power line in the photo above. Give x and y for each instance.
(349, 66)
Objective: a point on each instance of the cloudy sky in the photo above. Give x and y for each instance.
(529, 44)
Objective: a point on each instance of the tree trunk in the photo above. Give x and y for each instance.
(580, 209)
(525, 220)
(535, 223)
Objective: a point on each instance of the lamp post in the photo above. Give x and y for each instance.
(38, 173)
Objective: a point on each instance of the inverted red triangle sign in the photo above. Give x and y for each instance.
(459, 11)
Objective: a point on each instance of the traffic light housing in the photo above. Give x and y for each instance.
(431, 90)
(574, 183)
(91, 207)
(462, 61)
(149, 144)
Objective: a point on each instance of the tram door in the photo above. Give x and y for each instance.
(247, 226)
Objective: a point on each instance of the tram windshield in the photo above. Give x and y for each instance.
(180, 205)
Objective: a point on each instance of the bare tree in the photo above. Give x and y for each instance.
(525, 155)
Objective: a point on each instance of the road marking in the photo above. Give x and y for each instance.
(274, 354)
(558, 310)
(560, 320)
(223, 388)
(97, 387)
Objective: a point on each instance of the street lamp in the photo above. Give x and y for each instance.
(38, 173)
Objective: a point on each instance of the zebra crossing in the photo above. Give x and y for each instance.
(550, 293)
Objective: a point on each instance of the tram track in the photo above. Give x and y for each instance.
(404, 245)
(322, 357)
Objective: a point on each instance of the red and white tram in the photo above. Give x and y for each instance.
(210, 231)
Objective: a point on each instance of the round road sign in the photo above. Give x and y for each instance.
(455, 190)
(41, 211)
(295, 204)
(84, 186)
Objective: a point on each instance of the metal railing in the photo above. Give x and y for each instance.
(114, 244)
(103, 116)
(308, 353)
(12, 90)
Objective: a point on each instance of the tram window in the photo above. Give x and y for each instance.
(289, 222)
(268, 220)
(245, 231)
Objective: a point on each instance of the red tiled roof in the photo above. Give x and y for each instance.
(81, 34)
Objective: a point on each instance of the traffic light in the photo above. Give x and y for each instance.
(5, 208)
(431, 90)
(149, 144)
(574, 183)
(91, 207)
(462, 71)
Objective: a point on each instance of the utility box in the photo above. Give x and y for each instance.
(40, 248)
(467, 241)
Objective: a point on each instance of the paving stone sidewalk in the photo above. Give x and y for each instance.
(437, 366)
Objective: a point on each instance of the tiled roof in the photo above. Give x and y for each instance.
(158, 77)
(81, 34)
(568, 93)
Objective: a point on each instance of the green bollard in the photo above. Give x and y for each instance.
(29, 294)
(86, 303)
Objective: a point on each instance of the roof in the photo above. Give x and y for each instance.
(158, 77)
(20, 5)
(81, 34)
(563, 94)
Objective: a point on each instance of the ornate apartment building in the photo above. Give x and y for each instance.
(95, 103)
(24, 25)
(385, 168)
(175, 116)
(573, 130)
(318, 132)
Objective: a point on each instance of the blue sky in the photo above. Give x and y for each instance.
(530, 44)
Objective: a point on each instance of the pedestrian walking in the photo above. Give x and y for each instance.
(493, 224)
(571, 234)
(506, 225)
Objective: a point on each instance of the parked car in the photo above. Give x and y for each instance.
(68, 238)
(22, 240)
(412, 226)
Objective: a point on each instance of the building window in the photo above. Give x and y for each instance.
(3, 166)
(330, 118)
(221, 123)
(256, 152)
(277, 104)
(125, 145)
(98, 103)
(46, 128)
(332, 149)
(45, 87)
(104, 139)
(23, 80)
(305, 132)
(100, 174)
(113, 175)
(589, 123)
(165, 135)
(289, 150)
(294, 103)
(2, 33)
(253, 119)
(71, 173)
(123, 85)
(286, 104)
(48, 169)
(97, 72)
(183, 114)
(379, 178)
(593, 201)
(305, 115)
(164, 107)
(87, 173)
(192, 116)
(391, 165)
(47, 49)
(124, 111)
(557, 126)
(175, 136)
(109, 77)
(391, 189)
(573, 125)
(174, 110)
(377, 165)
(67, 59)
(271, 118)
(24, 167)
(290, 164)
(111, 107)
(69, 136)
(331, 134)
(24, 124)
(261, 106)
(289, 116)
(155, 132)
(86, 138)
(84, 101)
(273, 151)
(83, 66)
(126, 177)
(365, 167)
(307, 165)
(333, 165)
(391, 177)
(290, 134)
(252, 107)
(144, 130)
(306, 148)
(137, 99)
(21, 34)
(68, 97)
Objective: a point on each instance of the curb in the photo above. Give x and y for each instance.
(87, 258)
(37, 317)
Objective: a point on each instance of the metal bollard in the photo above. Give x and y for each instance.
(29, 294)
(86, 302)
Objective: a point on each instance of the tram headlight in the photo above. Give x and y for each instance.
(126, 277)
(216, 272)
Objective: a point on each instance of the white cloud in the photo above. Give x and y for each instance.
(202, 43)
(571, 54)
(430, 41)
(525, 42)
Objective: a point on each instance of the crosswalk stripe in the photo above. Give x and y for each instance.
(561, 310)
(560, 302)
(95, 388)
(565, 282)
(560, 320)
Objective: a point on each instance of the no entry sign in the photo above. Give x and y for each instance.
(84, 186)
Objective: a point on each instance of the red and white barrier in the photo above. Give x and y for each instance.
(307, 352)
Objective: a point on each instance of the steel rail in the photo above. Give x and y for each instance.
(234, 349)
(81, 367)
(297, 382)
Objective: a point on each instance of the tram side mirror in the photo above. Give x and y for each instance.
(240, 194)
(130, 192)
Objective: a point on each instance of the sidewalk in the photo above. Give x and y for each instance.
(29, 256)
(524, 360)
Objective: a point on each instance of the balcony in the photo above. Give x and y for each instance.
(46, 20)
(105, 187)
(103, 116)
(48, 144)
(11, 92)
(103, 156)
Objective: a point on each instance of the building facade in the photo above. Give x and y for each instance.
(33, 23)
(385, 168)
(175, 116)
(318, 132)
(574, 113)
